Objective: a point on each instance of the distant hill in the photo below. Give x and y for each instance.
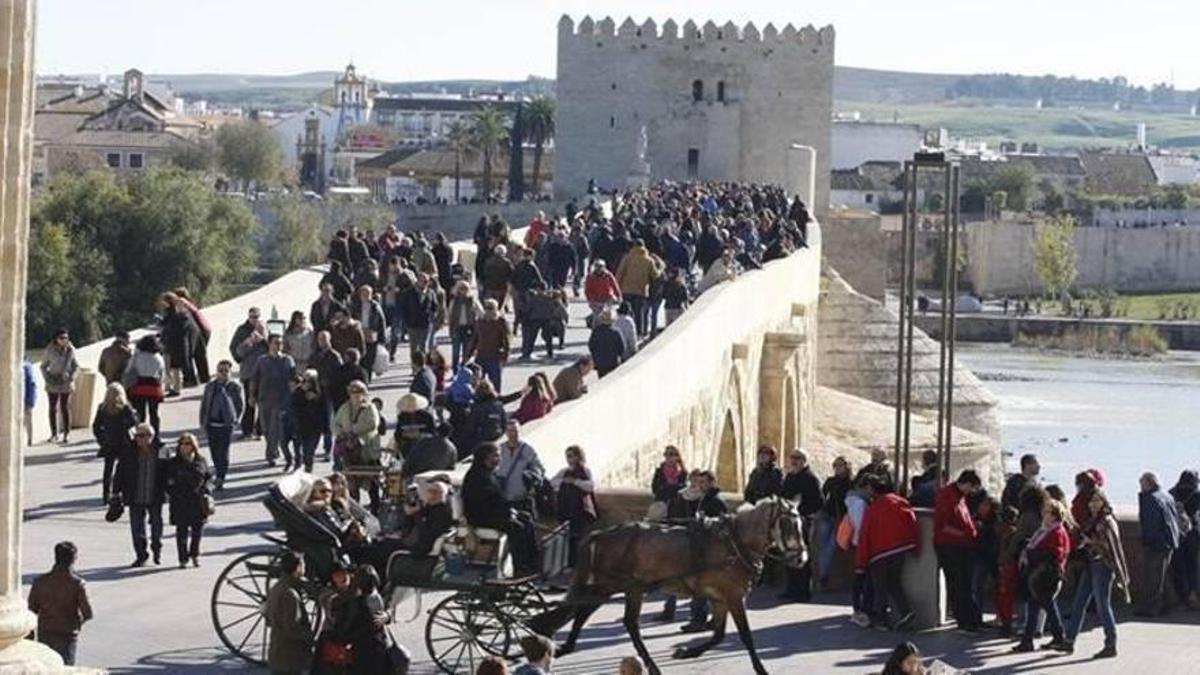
(994, 107)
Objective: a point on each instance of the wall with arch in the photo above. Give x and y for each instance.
(735, 371)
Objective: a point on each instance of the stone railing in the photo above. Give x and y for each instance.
(700, 383)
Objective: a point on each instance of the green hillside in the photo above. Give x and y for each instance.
(1062, 128)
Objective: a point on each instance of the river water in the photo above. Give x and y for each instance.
(1123, 416)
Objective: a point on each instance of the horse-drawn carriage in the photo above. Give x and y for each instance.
(483, 614)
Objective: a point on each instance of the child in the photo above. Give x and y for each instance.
(675, 294)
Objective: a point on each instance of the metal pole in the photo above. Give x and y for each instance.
(905, 230)
(911, 295)
(945, 311)
(952, 337)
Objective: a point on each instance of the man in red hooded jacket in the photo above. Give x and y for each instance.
(889, 531)
(954, 536)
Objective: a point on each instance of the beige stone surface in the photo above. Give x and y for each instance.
(856, 247)
(858, 340)
(738, 369)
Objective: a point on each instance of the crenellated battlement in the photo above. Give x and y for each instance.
(671, 32)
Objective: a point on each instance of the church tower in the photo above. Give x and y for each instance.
(352, 100)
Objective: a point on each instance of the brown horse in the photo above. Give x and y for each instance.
(719, 559)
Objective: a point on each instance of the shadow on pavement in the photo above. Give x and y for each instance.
(197, 660)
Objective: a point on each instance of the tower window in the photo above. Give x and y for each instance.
(612, 122)
(697, 91)
(721, 91)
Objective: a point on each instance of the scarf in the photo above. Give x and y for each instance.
(672, 472)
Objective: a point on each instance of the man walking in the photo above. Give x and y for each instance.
(249, 343)
(273, 379)
(1160, 538)
(60, 600)
(221, 409)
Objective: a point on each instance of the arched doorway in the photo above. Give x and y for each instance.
(729, 476)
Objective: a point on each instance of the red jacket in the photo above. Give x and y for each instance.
(1056, 544)
(602, 288)
(889, 528)
(952, 523)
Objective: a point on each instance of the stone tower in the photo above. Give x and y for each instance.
(717, 102)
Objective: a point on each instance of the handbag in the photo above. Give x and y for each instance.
(334, 653)
(845, 533)
(210, 505)
(116, 508)
(380, 365)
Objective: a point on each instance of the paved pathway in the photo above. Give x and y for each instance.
(156, 619)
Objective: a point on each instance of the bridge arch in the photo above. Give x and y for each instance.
(728, 461)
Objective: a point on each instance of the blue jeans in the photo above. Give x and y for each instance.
(491, 368)
(1096, 582)
(640, 309)
(64, 646)
(460, 337)
(138, 514)
(825, 534)
(219, 438)
(395, 322)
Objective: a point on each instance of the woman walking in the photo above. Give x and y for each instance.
(144, 377)
(187, 489)
(58, 371)
(308, 416)
(298, 340)
(1105, 565)
(1043, 563)
(113, 428)
(356, 427)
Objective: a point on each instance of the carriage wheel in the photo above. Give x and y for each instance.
(520, 605)
(237, 602)
(461, 631)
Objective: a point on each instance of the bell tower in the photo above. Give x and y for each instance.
(351, 97)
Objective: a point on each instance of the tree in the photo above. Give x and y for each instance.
(66, 285)
(126, 242)
(1016, 183)
(539, 129)
(489, 132)
(458, 135)
(249, 152)
(199, 155)
(296, 240)
(1055, 258)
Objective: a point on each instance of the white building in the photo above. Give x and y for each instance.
(290, 130)
(1175, 169)
(855, 143)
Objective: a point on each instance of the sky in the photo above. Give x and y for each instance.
(394, 40)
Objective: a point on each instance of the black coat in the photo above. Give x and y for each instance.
(432, 453)
(308, 414)
(342, 377)
(418, 307)
(427, 525)
(607, 347)
(340, 282)
(180, 335)
(483, 499)
(805, 489)
(187, 485)
(128, 476)
(486, 422)
(763, 483)
(375, 319)
(834, 492)
(112, 431)
(320, 315)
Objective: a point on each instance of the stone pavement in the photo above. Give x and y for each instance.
(156, 619)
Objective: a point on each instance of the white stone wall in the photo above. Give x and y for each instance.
(612, 82)
(290, 128)
(1000, 258)
(734, 352)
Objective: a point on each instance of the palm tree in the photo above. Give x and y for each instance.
(489, 133)
(459, 136)
(539, 128)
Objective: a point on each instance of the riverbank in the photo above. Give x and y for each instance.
(1179, 335)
